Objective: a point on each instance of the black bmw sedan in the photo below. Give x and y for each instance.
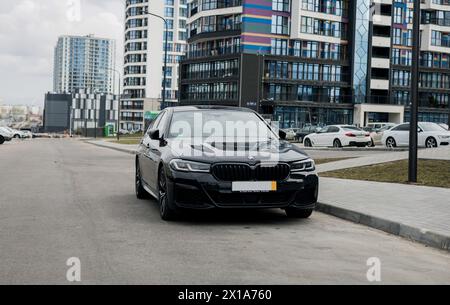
(222, 157)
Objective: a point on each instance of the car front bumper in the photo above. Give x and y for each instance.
(203, 191)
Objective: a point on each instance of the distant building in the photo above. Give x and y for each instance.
(92, 111)
(82, 111)
(144, 57)
(84, 62)
(57, 112)
(20, 113)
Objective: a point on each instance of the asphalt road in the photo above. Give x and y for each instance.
(64, 198)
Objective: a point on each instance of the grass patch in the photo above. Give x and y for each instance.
(128, 141)
(430, 173)
(329, 160)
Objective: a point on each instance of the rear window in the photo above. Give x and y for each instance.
(351, 128)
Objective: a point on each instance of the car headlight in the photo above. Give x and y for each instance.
(303, 166)
(189, 166)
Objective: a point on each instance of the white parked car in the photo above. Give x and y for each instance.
(17, 134)
(429, 135)
(377, 134)
(290, 133)
(378, 126)
(338, 136)
(5, 135)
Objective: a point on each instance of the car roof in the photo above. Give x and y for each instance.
(194, 108)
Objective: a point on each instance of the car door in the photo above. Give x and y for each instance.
(148, 154)
(155, 151)
(332, 133)
(320, 137)
(423, 134)
(402, 135)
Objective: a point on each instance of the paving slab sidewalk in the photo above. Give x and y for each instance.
(418, 213)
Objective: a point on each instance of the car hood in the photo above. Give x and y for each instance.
(252, 151)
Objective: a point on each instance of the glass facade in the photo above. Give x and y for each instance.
(312, 68)
(84, 63)
(297, 117)
(361, 41)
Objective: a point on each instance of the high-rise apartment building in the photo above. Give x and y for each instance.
(144, 57)
(84, 62)
(317, 61)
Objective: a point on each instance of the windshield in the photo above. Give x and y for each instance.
(430, 127)
(224, 124)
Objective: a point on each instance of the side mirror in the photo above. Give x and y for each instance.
(282, 134)
(419, 130)
(154, 134)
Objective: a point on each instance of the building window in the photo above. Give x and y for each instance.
(281, 5)
(280, 25)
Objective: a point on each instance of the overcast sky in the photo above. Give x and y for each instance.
(29, 30)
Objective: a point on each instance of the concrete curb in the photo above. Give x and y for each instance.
(124, 150)
(422, 236)
(360, 149)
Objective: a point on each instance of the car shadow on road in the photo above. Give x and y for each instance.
(237, 217)
(148, 210)
(228, 216)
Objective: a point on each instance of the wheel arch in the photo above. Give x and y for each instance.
(431, 137)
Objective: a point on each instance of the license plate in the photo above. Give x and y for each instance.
(254, 187)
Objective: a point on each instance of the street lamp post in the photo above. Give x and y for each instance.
(165, 53)
(414, 109)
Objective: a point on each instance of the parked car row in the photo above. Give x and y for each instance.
(7, 134)
(387, 134)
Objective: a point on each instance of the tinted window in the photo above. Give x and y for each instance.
(162, 123)
(219, 123)
(403, 127)
(155, 123)
(333, 129)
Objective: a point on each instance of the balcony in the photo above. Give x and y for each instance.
(381, 41)
(380, 62)
(379, 84)
(219, 27)
(215, 5)
(213, 52)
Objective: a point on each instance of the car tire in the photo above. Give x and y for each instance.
(337, 143)
(390, 142)
(431, 143)
(308, 143)
(16, 136)
(141, 193)
(2, 140)
(299, 213)
(166, 212)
